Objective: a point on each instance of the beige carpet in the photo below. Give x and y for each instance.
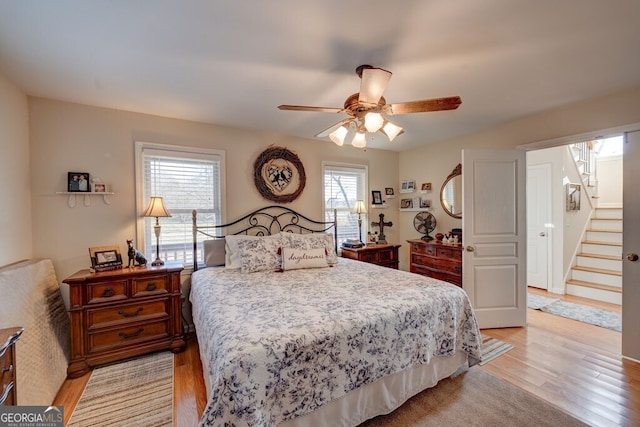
(474, 398)
(137, 392)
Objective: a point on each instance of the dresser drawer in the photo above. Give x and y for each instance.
(107, 291)
(423, 249)
(370, 257)
(448, 253)
(104, 340)
(105, 317)
(149, 286)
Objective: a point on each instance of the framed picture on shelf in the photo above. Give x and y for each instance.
(388, 191)
(376, 197)
(78, 182)
(408, 186)
(426, 186)
(406, 203)
(99, 187)
(425, 203)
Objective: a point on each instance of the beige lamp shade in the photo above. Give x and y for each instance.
(359, 207)
(156, 208)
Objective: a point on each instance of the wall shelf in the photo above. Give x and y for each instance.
(87, 197)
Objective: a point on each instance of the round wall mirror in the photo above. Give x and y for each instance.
(451, 193)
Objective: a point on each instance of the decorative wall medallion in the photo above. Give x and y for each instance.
(278, 175)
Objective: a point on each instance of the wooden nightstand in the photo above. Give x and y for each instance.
(123, 313)
(385, 254)
(8, 338)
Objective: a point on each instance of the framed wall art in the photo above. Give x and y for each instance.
(78, 182)
(573, 197)
(376, 197)
(408, 186)
(278, 175)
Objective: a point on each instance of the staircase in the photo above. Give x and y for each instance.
(597, 273)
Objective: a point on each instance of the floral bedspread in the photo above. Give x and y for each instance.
(278, 345)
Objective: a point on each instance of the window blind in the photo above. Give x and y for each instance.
(343, 186)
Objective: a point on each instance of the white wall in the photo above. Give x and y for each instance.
(15, 192)
(72, 137)
(609, 175)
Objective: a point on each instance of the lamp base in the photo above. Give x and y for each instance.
(157, 262)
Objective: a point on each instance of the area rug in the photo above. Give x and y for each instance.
(536, 302)
(474, 398)
(137, 392)
(492, 348)
(584, 313)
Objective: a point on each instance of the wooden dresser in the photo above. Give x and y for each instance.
(436, 260)
(123, 313)
(383, 254)
(8, 338)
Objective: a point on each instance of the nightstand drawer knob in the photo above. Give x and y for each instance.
(133, 335)
(151, 286)
(108, 292)
(135, 313)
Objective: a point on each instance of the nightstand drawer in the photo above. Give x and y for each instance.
(105, 317)
(105, 340)
(106, 291)
(149, 286)
(387, 255)
(368, 257)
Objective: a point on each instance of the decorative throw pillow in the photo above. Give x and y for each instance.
(214, 252)
(293, 259)
(260, 254)
(312, 241)
(232, 253)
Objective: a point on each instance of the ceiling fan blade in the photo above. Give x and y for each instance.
(305, 108)
(333, 127)
(426, 105)
(374, 82)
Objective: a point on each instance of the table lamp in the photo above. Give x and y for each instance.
(156, 209)
(360, 208)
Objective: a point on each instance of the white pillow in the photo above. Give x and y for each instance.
(312, 241)
(214, 252)
(232, 253)
(260, 254)
(293, 259)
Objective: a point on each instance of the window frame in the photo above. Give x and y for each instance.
(176, 151)
(356, 168)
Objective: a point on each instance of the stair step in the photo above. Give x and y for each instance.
(610, 236)
(594, 285)
(597, 270)
(611, 257)
(601, 224)
(597, 242)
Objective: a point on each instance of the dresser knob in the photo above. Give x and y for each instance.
(151, 286)
(108, 293)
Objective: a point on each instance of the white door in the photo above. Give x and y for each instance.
(494, 235)
(538, 220)
(631, 247)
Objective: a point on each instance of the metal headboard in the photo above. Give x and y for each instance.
(264, 222)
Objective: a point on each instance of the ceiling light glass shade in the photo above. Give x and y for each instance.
(373, 122)
(338, 135)
(391, 130)
(359, 140)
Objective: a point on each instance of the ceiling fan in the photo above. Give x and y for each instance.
(366, 108)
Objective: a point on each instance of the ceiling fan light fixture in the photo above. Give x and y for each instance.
(359, 140)
(391, 130)
(373, 122)
(338, 135)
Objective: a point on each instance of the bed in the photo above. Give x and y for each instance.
(291, 335)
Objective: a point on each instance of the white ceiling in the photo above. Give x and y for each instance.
(232, 62)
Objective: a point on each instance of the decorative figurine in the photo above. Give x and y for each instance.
(135, 256)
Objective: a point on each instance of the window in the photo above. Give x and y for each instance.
(187, 179)
(343, 186)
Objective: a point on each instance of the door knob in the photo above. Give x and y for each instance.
(632, 257)
(542, 234)
(470, 248)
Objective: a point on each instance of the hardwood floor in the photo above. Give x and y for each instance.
(572, 365)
